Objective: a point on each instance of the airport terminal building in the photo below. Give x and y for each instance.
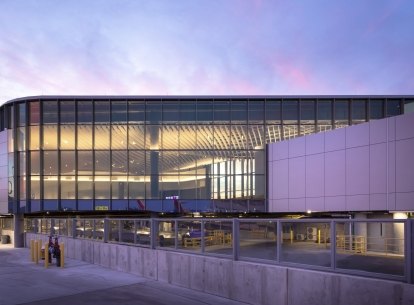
(171, 154)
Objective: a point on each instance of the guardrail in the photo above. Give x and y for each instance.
(375, 247)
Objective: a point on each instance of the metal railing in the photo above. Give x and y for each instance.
(375, 247)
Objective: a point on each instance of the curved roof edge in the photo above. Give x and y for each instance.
(53, 97)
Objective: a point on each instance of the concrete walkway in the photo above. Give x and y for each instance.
(24, 282)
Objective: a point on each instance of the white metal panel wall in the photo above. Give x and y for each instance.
(366, 167)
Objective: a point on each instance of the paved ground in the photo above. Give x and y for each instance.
(24, 282)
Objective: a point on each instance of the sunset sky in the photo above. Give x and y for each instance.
(206, 47)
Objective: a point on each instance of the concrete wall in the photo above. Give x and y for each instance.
(366, 167)
(3, 173)
(252, 283)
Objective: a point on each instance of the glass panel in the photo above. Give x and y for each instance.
(50, 163)
(393, 107)
(341, 109)
(222, 137)
(170, 112)
(153, 137)
(358, 111)
(34, 113)
(102, 136)
(190, 235)
(85, 163)
(273, 133)
(102, 163)
(114, 226)
(325, 112)
(35, 163)
(85, 112)
(80, 228)
(290, 112)
(307, 112)
(205, 137)
(219, 237)
(119, 137)
(137, 191)
(22, 164)
(307, 129)
(187, 111)
(136, 135)
(188, 136)
(88, 233)
(34, 187)
(99, 229)
(102, 112)
(306, 243)
(102, 187)
(290, 131)
(50, 137)
(170, 137)
(67, 187)
(258, 239)
(22, 189)
(50, 187)
(376, 109)
(34, 138)
(67, 112)
(118, 112)
(136, 163)
(10, 116)
(21, 138)
(84, 137)
(153, 112)
(85, 190)
(67, 163)
(127, 231)
(371, 246)
(21, 116)
(222, 111)
(204, 112)
(119, 162)
(273, 112)
(67, 137)
(238, 112)
(50, 112)
(119, 187)
(143, 230)
(166, 234)
(256, 111)
(136, 111)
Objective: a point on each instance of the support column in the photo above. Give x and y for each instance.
(18, 226)
(360, 232)
(398, 233)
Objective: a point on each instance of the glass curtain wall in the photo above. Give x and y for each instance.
(171, 155)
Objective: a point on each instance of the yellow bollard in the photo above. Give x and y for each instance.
(32, 250)
(291, 236)
(39, 245)
(62, 255)
(46, 255)
(319, 236)
(36, 252)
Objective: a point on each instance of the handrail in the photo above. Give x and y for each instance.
(233, 237)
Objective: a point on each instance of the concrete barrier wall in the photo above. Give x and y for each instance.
(252, 283)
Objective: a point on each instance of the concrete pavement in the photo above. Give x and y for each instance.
(24, 282)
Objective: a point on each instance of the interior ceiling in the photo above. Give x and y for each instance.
(176, 143)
